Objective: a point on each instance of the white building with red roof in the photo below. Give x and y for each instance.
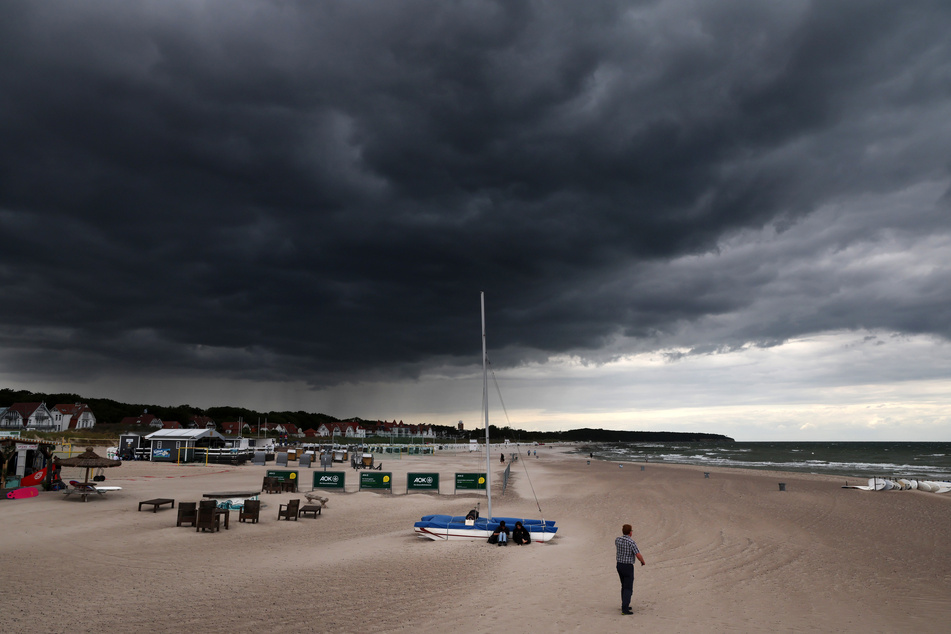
(28, 416)
(73, 416)
(344, 430)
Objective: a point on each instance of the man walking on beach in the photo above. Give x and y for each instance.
(626, 553)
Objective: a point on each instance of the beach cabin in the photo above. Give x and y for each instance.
(183, 445)
(130, 446)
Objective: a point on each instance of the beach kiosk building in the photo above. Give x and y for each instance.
(179, 445)
(21, 457)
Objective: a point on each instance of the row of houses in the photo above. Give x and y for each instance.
(39, 417)
(332, 430)
(150, 420)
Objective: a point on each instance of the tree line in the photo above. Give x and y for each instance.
(109, 413)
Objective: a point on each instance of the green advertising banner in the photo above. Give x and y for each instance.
(376, 480)
(470, 481)
(329, 479)
(422, 482)
(282, 476)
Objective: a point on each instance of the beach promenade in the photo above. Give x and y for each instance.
(728, 553)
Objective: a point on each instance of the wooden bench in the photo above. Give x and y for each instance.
(314, 509)
(157, 502)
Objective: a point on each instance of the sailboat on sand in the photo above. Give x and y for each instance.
(458, 527)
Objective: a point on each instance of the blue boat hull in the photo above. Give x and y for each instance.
(455, 527)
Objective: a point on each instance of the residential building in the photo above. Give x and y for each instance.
(144, 419)
(344, 430)
(202, 422)
(28, 416)
(74, 416)
(235, 428)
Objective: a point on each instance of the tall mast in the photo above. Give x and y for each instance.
(485, 408)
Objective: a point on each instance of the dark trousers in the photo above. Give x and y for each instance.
(626, 573)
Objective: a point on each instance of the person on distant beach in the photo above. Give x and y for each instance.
(520, 535)
(55, 481)
(502, 458)
(626, 553)
(501, 535)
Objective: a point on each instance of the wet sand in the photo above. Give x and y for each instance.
(728, 553)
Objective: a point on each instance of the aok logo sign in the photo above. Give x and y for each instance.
(428, 480)
(328, 478)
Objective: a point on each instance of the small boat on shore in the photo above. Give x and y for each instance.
(459, 527)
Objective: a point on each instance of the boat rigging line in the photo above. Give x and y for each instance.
(518, 448)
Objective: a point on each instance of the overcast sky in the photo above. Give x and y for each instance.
(730, 217)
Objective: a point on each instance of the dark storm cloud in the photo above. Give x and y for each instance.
(320, 190)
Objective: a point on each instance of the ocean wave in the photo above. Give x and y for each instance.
(848, 459)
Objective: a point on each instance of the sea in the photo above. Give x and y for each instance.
(911, 460)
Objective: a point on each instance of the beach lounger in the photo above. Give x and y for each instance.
(289, 511)
(84, 489)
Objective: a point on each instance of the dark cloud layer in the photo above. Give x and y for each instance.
(319, 190)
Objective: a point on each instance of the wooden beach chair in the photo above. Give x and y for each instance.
(187, 513)
(208, 518)
(250, 511)
(272, 485)
(289, 511)
(289, 486)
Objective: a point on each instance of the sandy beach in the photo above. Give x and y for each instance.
(728, 553)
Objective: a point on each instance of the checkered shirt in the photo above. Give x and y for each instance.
(626, 549)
